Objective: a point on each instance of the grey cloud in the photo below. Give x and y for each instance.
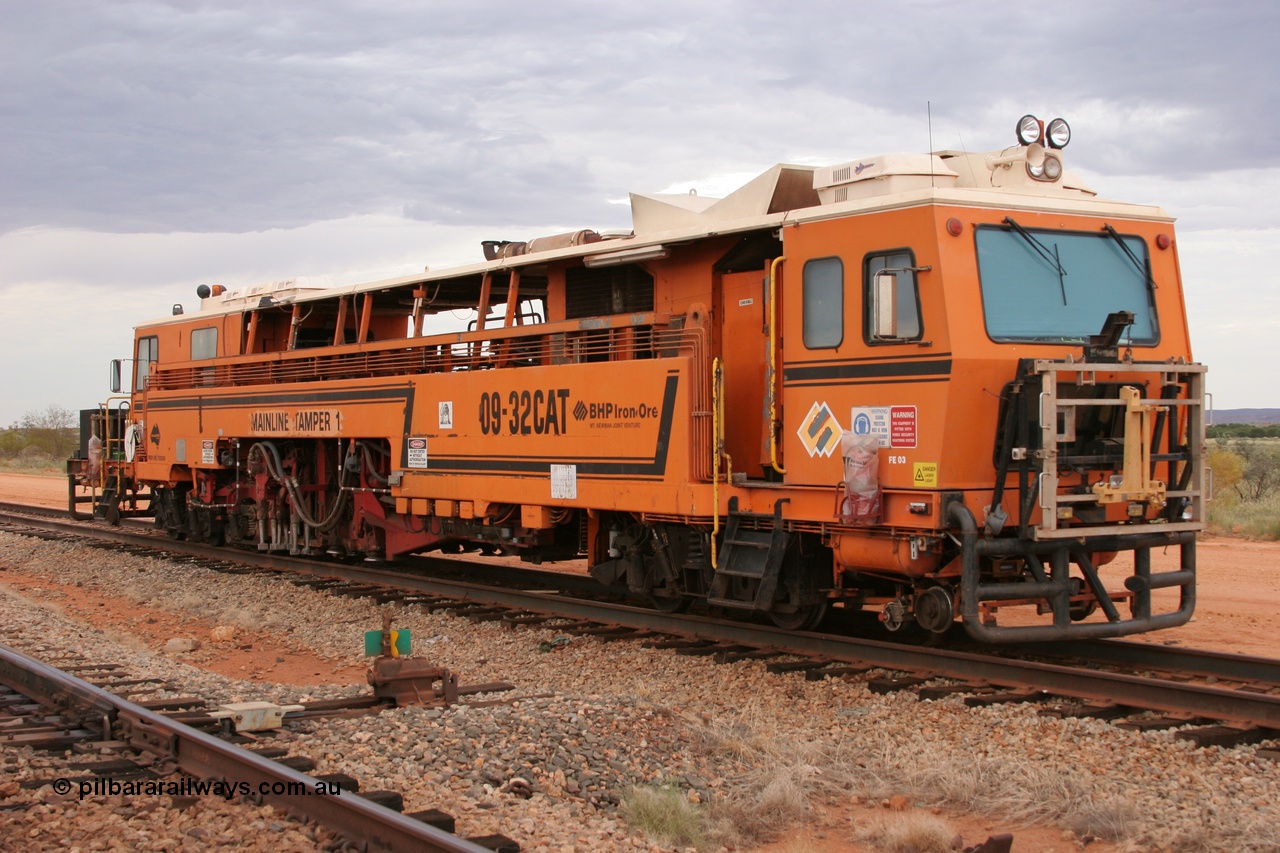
(221, 116)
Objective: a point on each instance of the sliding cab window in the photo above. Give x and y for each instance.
(148, 351)
(891, 298)
(204, 343)
(823, 310)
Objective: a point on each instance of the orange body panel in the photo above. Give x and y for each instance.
(581, 412)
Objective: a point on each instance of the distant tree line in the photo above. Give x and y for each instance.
(53, 433)
(1243, 431)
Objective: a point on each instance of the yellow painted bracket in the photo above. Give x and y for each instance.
(1135, 482)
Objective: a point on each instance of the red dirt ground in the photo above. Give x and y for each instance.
(1238, 610)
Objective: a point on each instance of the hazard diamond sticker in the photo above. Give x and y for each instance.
(819, 431)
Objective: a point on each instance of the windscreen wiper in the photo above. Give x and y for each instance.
(1050, 257)
(1143, 268)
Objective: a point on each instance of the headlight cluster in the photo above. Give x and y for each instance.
(1049, 170)
(1032, 133)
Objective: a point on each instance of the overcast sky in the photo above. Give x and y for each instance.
(148, 147)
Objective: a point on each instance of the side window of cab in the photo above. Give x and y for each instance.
(148, 351)
(891, 298)
(823, 303)
(204, 343)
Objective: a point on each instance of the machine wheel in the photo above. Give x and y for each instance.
(805, 618)
(206, 528)
(671, 604)
(934, 609)
(1084, 609)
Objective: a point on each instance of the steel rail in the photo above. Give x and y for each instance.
(1222, 665)
(204, 756)
(1129, 690)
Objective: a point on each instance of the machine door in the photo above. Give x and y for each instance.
(743, 351)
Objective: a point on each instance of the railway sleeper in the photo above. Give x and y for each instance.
(835, 672)
(1227, 736)
(1087, 710)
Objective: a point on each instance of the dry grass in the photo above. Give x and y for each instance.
(190, 603)
(37, 464)
(769, 792)
(799, 845)
(259, 618)
(911, 832)
(1258, 519)
(123, 638)
(775, 796)
(1112, 819)
(664, 813)
(1024, 791)
(1239, 833)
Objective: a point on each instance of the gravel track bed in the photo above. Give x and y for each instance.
(761, 754)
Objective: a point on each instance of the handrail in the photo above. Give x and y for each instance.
(402, 354)
(771, 377)
(106, 471)
(717, 448)
(591, 324)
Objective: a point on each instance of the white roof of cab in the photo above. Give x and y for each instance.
(785, 194)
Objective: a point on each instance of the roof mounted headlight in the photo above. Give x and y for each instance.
(1030, 130)
(1045, 168)
(1058, 133)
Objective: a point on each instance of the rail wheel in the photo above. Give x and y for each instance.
(934, 609)
(804, 618)
(207, 528)
(670, 604)
(1080, 610)
(171, 512)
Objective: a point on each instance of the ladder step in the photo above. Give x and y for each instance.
(749, 542)
(749, 572)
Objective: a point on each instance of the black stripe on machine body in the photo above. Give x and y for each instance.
(278, 398)
(349, 396)
(477, 465)
(868, 372)
(867, 359)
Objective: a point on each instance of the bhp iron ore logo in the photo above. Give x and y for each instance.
(613, 412)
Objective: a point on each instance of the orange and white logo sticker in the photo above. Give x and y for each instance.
(819, 431)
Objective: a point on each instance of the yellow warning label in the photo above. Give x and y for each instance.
(924, 474)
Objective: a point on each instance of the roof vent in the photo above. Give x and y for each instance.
(882, 175)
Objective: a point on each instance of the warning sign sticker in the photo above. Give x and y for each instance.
(924, 474)
(894, 426)
(417, 455)
(564, 482)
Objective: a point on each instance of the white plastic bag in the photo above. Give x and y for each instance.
(861, 454)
